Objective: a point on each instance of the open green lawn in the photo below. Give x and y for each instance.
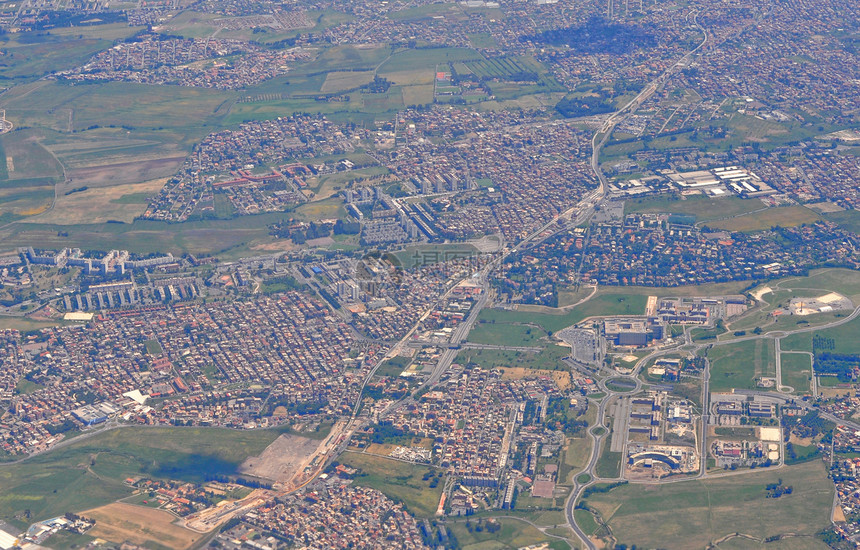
(796, 371)
(691, 514)
(786, 216)
(703, 208)
(737, 365)
(844, 338)
(609, 463)
(505, 334)
(91, 473)
(398, 480)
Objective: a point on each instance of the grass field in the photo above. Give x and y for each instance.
(794, 543)
(609, 463)
(694, 513)
(504, 334)
(737, 365)
(30, 56)
(847, 219)
(120, 522)
(101, 204)
(144, 236)
(705, 209)
(609, 301)
(786, 216)
(844, 337)
(512, 535)
(549, 358)
(796, 371)
(398, 480)
(575, 457)
(135, 106)
(585, 520)
(90, 474)
(340, 81)
(844, 281)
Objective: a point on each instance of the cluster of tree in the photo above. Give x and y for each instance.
(491, 526)
(281, 283)
(842, 365)
(52, 19)
(252, 483)
(66, 426)
(386, 433)
(76, 190)
(822, 343)
(307, 407)
(595, 36)
(808, 425)
(379, 85)
(572, 107)
(347, 228)
(558, 417)
(776, 490)
(601, 488)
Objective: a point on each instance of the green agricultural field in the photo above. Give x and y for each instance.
(694, 513)
(504, 334)
(47, 104)
(705, 209)
(786, 216)
(90, 473)
(398, 480)
(423, 12)
(738, 365)
(340, 58)
(144, 236)
(796, 371)
(512, 535)
(408, 60)
(31, 56)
